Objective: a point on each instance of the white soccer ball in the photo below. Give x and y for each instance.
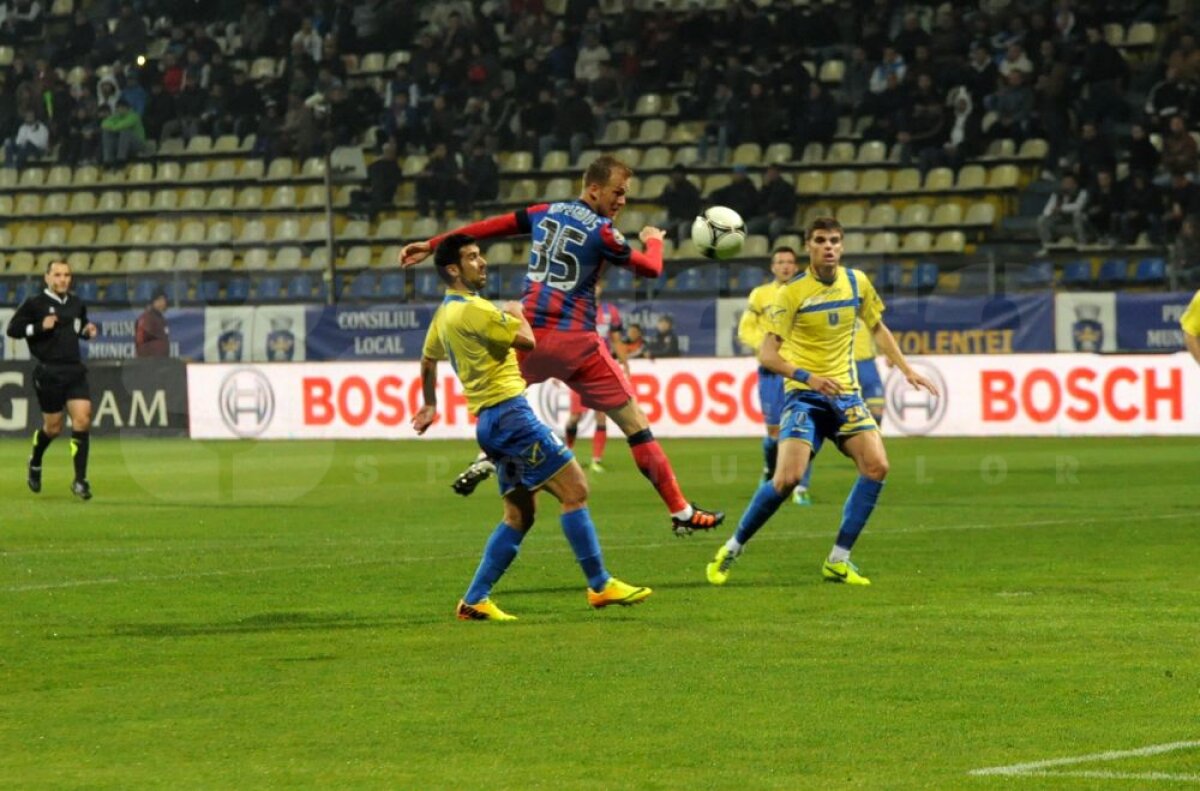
(719, 232)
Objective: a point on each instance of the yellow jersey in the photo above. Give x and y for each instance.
(864, 343)
(1190, 321)
(817, 324)
(476, 337)
(754, 325)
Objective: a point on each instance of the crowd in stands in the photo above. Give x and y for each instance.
(939, 82)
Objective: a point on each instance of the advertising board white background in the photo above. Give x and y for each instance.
(1013, 395)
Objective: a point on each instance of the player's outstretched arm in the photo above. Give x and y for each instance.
(425, 416)
(413, 253)
(649, 263)
(887, 344)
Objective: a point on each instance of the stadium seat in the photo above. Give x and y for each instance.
(299, 287)
(281, 169)
(1113, 272)
(427, 284)
(925, 277)
(888, 277)
(832, 72)
(755, 246)
(1004, 177)
(906, 180)
(1035, 148)
(618, 281)
(162, 260)
(747, 154)
(881, 215)
(851, 215)
(840, 153)
(810, 182)
(144, 290)
(1141, 34)
(4, 293)
(843, 182)
(237, 289)
(872, 151)
(358, 258)
(363, 286)
(950, 242)
(914, 215)
(916, 242)
(971, 177)
(814, 154)
(854, 243)
(749, 277)
(87, 290)
(1150, 271)
(705, 278)
(117, 292)
(883, 243)
(392, 285)
(947, 214)
(939, 180)
(208, 290)
(1077, 274)
(874, 181)
(776, 154)
(79, 261)
(652, 130)
(1002, 148)
(1039, 274)
(980, 214)
(269, 288)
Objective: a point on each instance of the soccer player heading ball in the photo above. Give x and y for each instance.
(479, 341)
(573, 241)
(808, 341)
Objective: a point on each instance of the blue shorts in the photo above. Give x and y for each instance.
(770, 395)
(814, 418)
(526, 452)
(870, 383)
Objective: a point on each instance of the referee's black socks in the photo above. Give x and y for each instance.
(79, 454)
(41, 441)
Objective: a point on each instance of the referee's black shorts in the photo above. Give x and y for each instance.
(58, 383)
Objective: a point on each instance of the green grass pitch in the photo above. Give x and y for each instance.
(280, 615)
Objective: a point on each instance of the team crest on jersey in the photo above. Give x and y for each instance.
(617, 235)
(833, 318)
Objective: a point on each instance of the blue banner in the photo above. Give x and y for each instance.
(1150, 322)
(972, 325)
(367, 332)
(185, 328)
(693, 320)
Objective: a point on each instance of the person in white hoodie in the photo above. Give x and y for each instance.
(32, 140)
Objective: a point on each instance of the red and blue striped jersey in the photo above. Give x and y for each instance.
(571, 245)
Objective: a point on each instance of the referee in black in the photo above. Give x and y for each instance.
(52, 322)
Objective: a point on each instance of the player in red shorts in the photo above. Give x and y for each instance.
(572, 244)
(608, 325)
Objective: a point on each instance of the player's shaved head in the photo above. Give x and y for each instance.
(602, 169)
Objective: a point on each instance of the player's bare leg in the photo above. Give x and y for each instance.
(653, 463)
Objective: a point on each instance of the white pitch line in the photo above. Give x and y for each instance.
(1112, 755)
(81, 583)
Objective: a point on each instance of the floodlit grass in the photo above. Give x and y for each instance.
(280, 615)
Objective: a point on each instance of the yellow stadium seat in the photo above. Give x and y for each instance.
(85, 176)
(556, 160)
(193, 232)
(1004, 177)
(162, 261)
(225, 144)
(839, 153)
(137, 233)
(252, 232)
(283, 197)
(105, 262)
(916, 242)
(109, 235)
(390, 229)
(22, 262)
(629, 155)
(165, 200)
(1035, 148)
(168, 172)
(314, 167)
(981, 214)
(843, 182)
(281, 169)
(251, 170)
(874, 181)
(810, 182)
(219, 232)
(135, 201)
(139, 173)
(218, 260)
(59, 176)
(287, 230)
(1001, 148)
(424, 228)
(939, 180)
(28, 236)
(355, 231)
(82, 203)
(317, 231)
(1141, 34)
(195, 171)
(193, 200)
(686, 156)
(851, 215)
(360, 258)
(881, 215)
(648, 104)
(950, 242)
(187, 260)
(914, 215)
(971, 177)
(832, 72)
(256, 258)
(854, 242)
(79, 261)
(560, 190)
(223, 170)
(872, 151)
(715, 182)
(949, 213)
(249, 198)
(219, 199)
(28, 205)
(814, 154)
(906, 180)
(652, 130)
(747, 154)
(199, 144)
(82, 234)
(134, 261)
(32, 177)
(883, 243)
(519, 162)
(164, 233)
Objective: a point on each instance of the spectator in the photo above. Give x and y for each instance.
(682, 202)
(963, 135)
(574, 124)
(1185, 255)
(665, 342)
(383, 179)
(891, 65)
(721, 128)
(1183, 201)
(1102, 217)
(82, 143)
(1105, 73)
(911, 36)
(592, 54)
(80, 38)
(1169, 97)
(740, 194)
(635, 343)
(1094, 153)
(481, 177)
(982, 76)
(1142, 210)
(1179, 150)
(298, 132)
(1064, 211)
(1013, 102)
(308, 40)
(122, 135)
(923, 126)
(32, 140)
(403, 125)
(817, 119)
(439, 184)
(151, 333)
(776, 211)
(27, 14)
(253, 26)
(856, 84)
(131, 34)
